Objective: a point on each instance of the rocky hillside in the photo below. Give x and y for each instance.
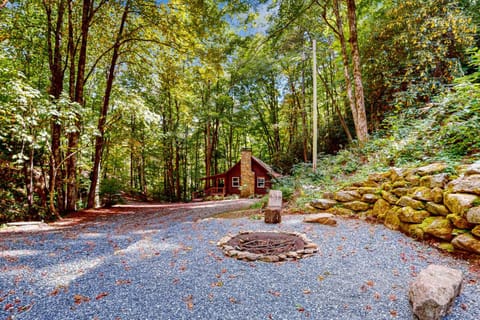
(425, 202)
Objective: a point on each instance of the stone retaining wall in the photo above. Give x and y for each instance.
(421, 202)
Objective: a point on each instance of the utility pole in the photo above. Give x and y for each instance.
(314, 107)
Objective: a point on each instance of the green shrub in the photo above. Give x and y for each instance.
(110, 191)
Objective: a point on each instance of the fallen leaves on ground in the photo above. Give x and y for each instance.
(79, 299)
(123, 282)
(189, 301)
(101, 295)
(274, 293)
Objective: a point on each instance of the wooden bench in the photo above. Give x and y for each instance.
(274, 208)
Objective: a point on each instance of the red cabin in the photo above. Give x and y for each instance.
(248, 177)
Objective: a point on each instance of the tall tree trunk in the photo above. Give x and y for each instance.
(132, 151)
(54, 30)
(348, 83)
(99, 141)
(74, 136)
(362, 128)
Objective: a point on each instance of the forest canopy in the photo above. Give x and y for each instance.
(150, 96)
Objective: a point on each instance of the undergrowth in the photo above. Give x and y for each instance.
(446, 130)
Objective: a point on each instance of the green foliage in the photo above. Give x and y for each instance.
(110, 191)
(476, 202)
(261, 203)
(446, 130)
(414, 49)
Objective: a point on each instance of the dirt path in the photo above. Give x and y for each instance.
(132, 208)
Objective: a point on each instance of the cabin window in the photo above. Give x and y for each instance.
(235, 182)
(260, 182)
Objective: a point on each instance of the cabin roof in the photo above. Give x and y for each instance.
(272, 173)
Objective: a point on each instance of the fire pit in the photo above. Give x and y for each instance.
(268, 246)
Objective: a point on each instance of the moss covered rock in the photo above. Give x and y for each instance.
(338, 211)
(370, 198)
(459, 203)
(380, 208)
(400, 184)
(371, 190)
(413, 179)
(422, 193)
(323, 204)
(410, 215)
(476, 231)
(410, 202)
(437, 194)
(473, 215)
(347, 195)
(436, 181)
(473, 169)
(356, 205)
(459, 221)
(467, 242)
(389, 197)
(436, 209)
(391, 219)
(431, 169)
(400, 192)
(468, 184)
(438, 227)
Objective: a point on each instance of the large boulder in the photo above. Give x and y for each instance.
(459, 203)
(467, 242)
(434, 290)
(321, 218)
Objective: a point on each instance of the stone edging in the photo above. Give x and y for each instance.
(308, 250)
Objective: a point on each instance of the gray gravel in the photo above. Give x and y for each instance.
(165, 265)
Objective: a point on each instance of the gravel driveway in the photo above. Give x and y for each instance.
(164, 264)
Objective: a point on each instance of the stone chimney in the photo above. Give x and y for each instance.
(247, 176)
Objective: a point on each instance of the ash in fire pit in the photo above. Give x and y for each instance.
(268, 246)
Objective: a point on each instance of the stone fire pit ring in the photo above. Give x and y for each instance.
(267, 246)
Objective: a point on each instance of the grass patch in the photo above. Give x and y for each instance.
(253, 214)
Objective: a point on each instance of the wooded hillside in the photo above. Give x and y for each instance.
(149, 96)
